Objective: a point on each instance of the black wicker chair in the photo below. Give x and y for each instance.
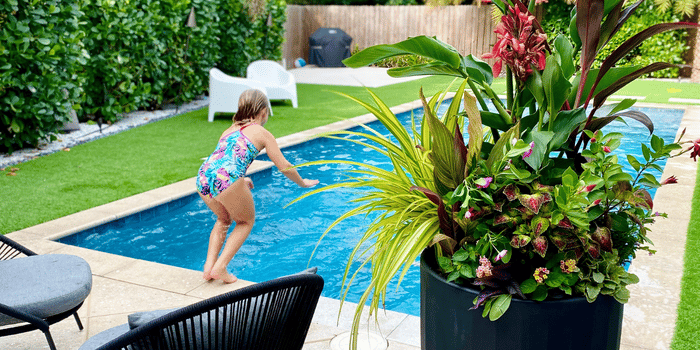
(37, 291)
(274, 314)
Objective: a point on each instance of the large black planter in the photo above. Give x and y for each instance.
(447, 323)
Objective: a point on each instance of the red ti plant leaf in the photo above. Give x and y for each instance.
(603, 237)
(598, 123)
(619, 84)
(622, 17)
(540, 244)
(483, 296)
(632, 43)
(589, 15)
(446, 222)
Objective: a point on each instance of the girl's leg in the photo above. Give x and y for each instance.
(217, 235)
(238, 200)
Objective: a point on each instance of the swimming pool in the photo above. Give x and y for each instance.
(281, 242)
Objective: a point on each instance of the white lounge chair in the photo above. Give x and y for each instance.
(279, 83)
(224, 91)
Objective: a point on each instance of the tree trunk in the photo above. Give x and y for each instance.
(694, 52)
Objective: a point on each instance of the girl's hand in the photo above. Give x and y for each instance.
(309, 183)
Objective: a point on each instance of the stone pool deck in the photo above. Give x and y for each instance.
(124, 285)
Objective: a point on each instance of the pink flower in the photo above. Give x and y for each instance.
(593, 139)
(606, 149)
(483, 182)
(540, 274)
(521, 43)
(501, 255)
(469, 213)
(529, 151)
(696, 149)
(484, 269)
(596, 202)
(670, 180)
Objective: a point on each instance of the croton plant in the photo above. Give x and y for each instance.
(533, 204)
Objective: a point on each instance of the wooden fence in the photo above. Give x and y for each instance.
(468, 28)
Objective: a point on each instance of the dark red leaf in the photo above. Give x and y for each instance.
(633, 42)
(589, 15)
(620, 83)
(599, 123)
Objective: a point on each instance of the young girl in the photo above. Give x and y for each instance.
(222, 184)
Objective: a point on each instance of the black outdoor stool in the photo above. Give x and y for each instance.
(37, 291)
(273, 315)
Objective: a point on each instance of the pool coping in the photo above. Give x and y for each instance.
(660, 275)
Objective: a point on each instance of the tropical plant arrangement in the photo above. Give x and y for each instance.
(533, 205)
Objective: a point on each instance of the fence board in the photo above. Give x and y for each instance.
(466, 27)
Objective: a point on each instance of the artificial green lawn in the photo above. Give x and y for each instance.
(687, 334)
(170, 150)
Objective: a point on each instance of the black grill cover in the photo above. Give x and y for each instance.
(328, 47)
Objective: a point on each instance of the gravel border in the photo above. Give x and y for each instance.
(89, 132)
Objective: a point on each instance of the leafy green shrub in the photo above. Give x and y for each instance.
(40, 50)
(246, 37)
(140, 54)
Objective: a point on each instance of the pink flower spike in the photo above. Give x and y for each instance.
(501, 255)
(588, 188)
(670, 180)
(606, 149)
(483, 182)
(596, 202)
(529, 151)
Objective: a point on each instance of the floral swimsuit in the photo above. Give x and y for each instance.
(228, 163)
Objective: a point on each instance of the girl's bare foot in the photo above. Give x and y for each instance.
(207, 272)
(224, 276)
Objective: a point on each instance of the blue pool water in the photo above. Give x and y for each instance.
(282, 240)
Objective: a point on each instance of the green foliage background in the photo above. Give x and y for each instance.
(104, 58)
(40, 55)
(247, 37)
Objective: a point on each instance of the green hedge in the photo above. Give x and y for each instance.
(105, 58)
(261, 34)
(40, 55)
(142, 55)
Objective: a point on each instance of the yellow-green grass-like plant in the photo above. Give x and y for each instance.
(408, 221)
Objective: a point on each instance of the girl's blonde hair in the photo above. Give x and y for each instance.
(250, 104)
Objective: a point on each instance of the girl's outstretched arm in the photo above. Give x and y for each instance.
(276, 156)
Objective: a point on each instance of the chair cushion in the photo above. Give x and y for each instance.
(104, 337)
(43, 285)
(138, 318)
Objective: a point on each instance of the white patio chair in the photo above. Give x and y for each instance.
(225, 90)
(279, 83)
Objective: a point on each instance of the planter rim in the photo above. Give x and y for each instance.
(426, 266)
